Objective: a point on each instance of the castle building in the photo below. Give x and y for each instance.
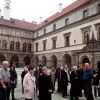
(71, 36)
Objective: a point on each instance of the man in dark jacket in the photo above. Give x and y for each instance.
(87, 84)
(65, 76)
(74, 79)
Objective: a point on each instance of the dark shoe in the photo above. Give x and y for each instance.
(14, 99)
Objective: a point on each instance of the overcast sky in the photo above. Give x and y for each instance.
(32, 10)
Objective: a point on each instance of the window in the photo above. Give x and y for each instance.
(86, 34)
(98, 8)
(54, 40)
(44, 31)
(37, 34)
(67, 41)
(29, 47)
(24, 47)
(44, 45)
(85, 13)
(12, 45)
(4, 44)
(66, 38)
(54, 27)
(66, 22)
(86, 37)
(17, 46)
(36, 45)
(98, 34)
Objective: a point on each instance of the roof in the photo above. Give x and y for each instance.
(66, 10)
(15, 23)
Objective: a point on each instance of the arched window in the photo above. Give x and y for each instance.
(24, 47)
(4, 44)
(17, 46)
(29, 47)
(12, 45)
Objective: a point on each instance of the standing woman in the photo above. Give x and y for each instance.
(45, 85)
(13, 81)
(29, 85)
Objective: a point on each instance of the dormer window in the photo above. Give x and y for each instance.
(85, 13)
(98, 8)
(44, 31)
(54, 27)
(66, 21)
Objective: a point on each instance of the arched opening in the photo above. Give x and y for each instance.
(12, 45)
(27, 60)
(67, 60)
(4, 44)
(2, 58)
(98, 66)
(29, 47)
(85, 60)
(54, 61)
(36, 60)
(24, 47)
(14, 61)
(44, 61)
(17, 46)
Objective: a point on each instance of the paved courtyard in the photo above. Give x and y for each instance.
(55, 95)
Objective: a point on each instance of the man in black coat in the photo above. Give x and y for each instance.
(74, 79)
(65, 76)
(45, 86)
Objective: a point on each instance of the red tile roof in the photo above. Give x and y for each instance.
(66, 10)
(15, 23)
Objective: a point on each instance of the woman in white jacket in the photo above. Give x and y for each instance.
(29, 85)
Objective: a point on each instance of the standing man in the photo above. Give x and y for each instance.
(5, 76)
(66, 79)
(87, 81)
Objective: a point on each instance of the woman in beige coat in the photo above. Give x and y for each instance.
(29, 85)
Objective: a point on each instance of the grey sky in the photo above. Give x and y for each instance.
(31, 10)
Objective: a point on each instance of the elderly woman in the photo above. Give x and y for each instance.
(45, 85)
(29, 85)
(74, 79)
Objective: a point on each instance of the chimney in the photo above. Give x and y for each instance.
(23, 19)
(40, 19)
(34, 22)
(0, 13)
(60, 7)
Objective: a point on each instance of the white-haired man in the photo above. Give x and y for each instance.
(5, 76)
(74, 79)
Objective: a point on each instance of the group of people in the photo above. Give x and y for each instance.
(37, 80)
(40, 82)
(80, 79)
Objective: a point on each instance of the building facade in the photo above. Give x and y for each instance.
(66, 37)
(71, 36)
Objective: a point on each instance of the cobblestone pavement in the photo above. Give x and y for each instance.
(55, 95)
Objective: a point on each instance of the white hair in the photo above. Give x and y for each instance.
(86, 64)
(44, 69)
(74, 67)
(5, 62)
